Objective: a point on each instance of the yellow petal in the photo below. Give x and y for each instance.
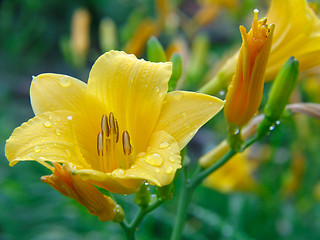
(50, 92)
(133, 90)
(183, 113)
(110, 181)
(46, 137)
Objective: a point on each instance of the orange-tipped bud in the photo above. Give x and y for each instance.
(245, 91)
(82, 191)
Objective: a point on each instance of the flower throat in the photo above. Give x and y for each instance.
(107, 141)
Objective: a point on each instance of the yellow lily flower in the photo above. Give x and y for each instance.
(245, 91)
(82, 191)
(117, 130)
(235, 175)
(297, 34)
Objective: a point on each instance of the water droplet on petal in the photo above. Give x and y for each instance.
(186, 125)
(210, 103)
(157, 89)
(50, 117)
(118, 172)
(160, 94)
(47, 124)
(184, 115)
(68, 153)
(65, 81)
(57, 132)
(134, 166)
(154, 160)
(171, 159)
(177, 95)
(169, 170)
(222, 93)
(37, 149)
(164, 145)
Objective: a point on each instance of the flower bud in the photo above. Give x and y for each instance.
(143, 197)
(280, 92)
(155, 51)
(245, 91)
(176, 71)
(282, 88)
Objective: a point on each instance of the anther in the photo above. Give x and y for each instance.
(127, 149)
(112, 123)
(105, 125)
(116, 131)
(100, 144)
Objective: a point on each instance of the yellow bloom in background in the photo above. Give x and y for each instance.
(235, 175)
(116, 131)
(82, 191)
(245, 91)
(80, 35)
(297, 34)
(138, 41)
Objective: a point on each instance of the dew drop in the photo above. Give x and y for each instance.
(171, 159)
(210, 103)
(47, 124)
(278, 122)
(169, 170)
(160, 94)
(164, 145)
(154, 160)
(177, 95)
(37, 149)
(134, 166)
(222, 93)
(64, 81)
(68, 153)
(186, 125)
(118, 172)
(50, 117)
(272, 127)
(58, 132)
(184, 115)
(157, 89)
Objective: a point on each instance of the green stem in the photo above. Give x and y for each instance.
(130, 229)
(184, 201)
(190, 185)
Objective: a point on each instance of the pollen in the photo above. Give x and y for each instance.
(107, 141)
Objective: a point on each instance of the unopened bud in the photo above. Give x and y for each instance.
(155, 51)
(280, 92)
(282, 88)
(176, 71)
(143, 197)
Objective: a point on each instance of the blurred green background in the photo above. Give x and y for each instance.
(36, 36)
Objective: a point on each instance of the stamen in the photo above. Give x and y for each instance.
(127, 149)
(100, 144)
(116, 131)
(112, 123)
(105, 125)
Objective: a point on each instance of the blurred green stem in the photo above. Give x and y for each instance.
(189, 185)
(131, 228)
